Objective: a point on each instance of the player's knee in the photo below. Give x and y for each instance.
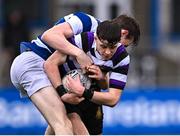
(73, 116)
(64, 125)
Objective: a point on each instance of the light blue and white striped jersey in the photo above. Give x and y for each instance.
(117, 66)
(79, 22)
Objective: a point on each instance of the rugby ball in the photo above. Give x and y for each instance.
(84, 79)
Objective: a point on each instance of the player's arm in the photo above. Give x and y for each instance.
(56, 37)
(109, 98)
(51, 68)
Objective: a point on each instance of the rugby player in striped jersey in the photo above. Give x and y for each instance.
(109, 56)
(27, 73)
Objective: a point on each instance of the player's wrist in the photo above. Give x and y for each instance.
(61, 90)
(79, 92)
(88, 94)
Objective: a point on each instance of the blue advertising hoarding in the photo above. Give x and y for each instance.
(138, 112)
(145, 112)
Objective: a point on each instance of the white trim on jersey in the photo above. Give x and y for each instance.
(123, 62)
(109, 63)
(78, 41)
(94, 43)
(98, 55)
(97, 61)
(76, 24)
(40, 44)
(118, 76)
(94, 24)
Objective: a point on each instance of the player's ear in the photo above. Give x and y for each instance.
(124, 33)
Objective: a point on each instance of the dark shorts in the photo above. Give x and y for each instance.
(90, 113)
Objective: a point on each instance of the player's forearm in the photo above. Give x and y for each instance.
(62, 45)
(53, 74)
(105, 98)
(109, 98)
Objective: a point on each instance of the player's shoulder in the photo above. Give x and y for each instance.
(120, 55)
(81, 15)
(86, 17)
(88, 21)
(80, 22)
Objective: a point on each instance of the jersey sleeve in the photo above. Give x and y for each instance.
(118, 76)
(80, 22)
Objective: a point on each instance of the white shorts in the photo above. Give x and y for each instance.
(27, 73)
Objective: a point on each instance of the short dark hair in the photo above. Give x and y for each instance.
(110, 31)
(130, 24)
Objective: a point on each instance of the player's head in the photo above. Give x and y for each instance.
(107, 39)
(130, 32)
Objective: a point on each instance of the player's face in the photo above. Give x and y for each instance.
(104, 49)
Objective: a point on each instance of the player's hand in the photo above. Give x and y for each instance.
(71, 98)
(95, 72)
(74, 85)
(84, 60)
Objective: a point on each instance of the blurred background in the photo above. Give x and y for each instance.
(151, 100)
